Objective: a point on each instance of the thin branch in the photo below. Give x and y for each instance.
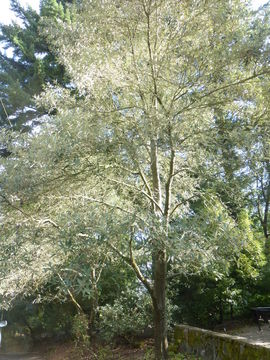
(101, 269)
(145, 181)
(72, 270)
(259, 210)
(113, 207)
(139, 190)
(49, 221)
(155, 172)
(131, 262)
(242, 81)
(119, 253)
(83, 235)
(120, 109)
(168, 184)
(70, 294)
(15, 207)
(181, 203)
(5, 112)
(151, 61)
(138, 271)
(262, 188)
(136, 69)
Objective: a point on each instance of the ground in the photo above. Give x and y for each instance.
(20, 357)
(65, 352)
(68, 352)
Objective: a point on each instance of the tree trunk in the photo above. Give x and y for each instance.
(266, 244)
(93, 303)
(159, 259)
(231, 311)
(159, 305)
(220, 311)
(92, 314)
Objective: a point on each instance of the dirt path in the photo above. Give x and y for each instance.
(20, 357)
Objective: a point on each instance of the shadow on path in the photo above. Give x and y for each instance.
(20, 357)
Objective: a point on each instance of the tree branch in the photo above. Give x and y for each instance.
(139, 190)
(49, 221)
(70, 294)
(181, 203)
(14, 206)
(138, 272)
(170, 178)
(145, 181)
(113, 207)
(242, 81)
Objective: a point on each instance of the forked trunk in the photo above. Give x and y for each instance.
(159, 306)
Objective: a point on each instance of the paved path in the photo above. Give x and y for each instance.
(252, 335)
(20, 357)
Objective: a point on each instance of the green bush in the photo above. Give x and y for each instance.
(79, 329)
(129, 315)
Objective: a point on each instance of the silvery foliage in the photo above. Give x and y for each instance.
(149, 75)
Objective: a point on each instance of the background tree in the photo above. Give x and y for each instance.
(26, 62)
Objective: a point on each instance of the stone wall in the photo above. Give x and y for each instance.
(211, 345)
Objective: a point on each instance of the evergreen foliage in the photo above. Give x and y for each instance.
(31, 66)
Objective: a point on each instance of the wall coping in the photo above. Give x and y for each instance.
(241, 339)
(211, 345)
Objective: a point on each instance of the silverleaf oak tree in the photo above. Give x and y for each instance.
(129, 153)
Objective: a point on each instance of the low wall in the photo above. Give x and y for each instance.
(211, 345)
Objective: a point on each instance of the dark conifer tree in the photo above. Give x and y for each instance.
(26, 63)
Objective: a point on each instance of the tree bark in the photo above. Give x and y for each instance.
(159, 305)
(220, 311)
(159, 262)
(263, 212)
(92, 315)
(93, 303)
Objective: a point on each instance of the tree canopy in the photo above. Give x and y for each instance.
(149, 161)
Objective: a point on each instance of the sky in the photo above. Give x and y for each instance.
(6, 15)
